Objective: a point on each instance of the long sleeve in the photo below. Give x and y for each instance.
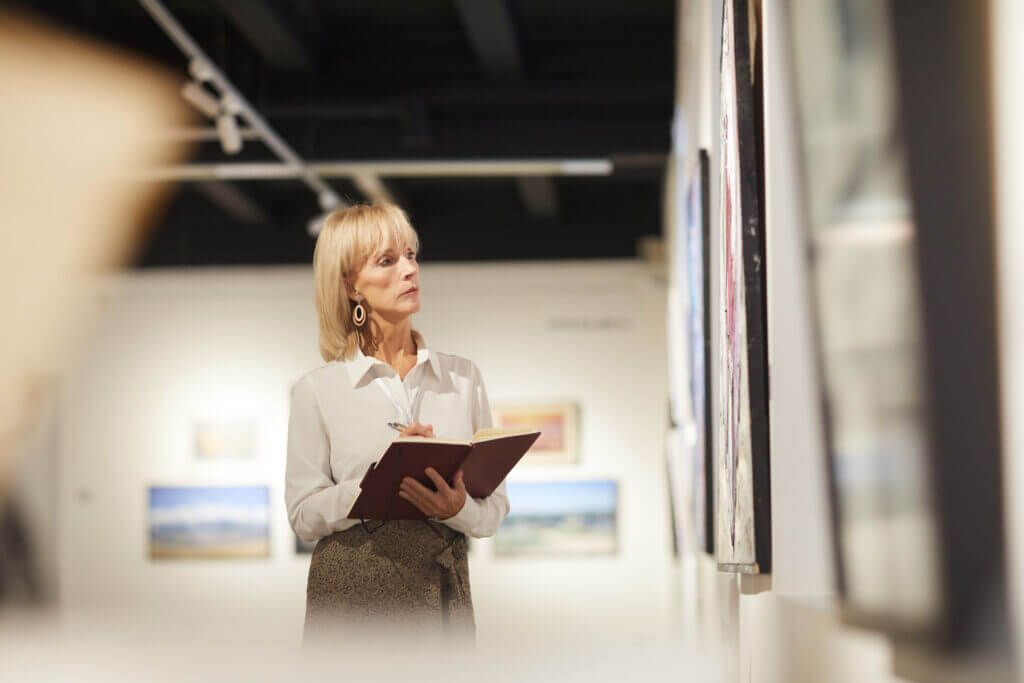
(317, 505)
(481, 517)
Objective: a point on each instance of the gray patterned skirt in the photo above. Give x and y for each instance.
(408, 576)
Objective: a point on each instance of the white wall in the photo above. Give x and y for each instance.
(174, 346)
(1007, 18)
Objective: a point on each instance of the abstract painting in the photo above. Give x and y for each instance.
(201, 522)
(560, 518)
(743, 536)
(557, 423)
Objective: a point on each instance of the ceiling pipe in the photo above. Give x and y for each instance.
(391, 169)
(326, 197)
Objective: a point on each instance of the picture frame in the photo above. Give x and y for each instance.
(209, 522)
(679, 471)
(917, 527)
(560, 518)
(696, 251)
(226, 440)
(743, 509)
(558, 424)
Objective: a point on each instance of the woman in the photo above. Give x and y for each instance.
(380, 371)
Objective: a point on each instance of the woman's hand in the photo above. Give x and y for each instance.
(416, 429)
(441, 504)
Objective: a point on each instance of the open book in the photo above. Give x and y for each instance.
(485, 462)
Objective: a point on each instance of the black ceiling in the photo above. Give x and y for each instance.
(348, 80)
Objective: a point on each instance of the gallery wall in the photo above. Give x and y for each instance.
(174, 347)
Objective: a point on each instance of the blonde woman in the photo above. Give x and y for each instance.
(379, 372)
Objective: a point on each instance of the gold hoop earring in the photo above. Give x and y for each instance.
(359, 315)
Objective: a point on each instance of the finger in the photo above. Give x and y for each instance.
(460, 483)
(423, 504)
(442, 485)
(413, 486)
(428, 430)
(414, 429)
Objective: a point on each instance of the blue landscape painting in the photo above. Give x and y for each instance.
(209, 522)
(560, 518)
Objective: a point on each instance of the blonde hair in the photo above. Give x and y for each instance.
(348, 239)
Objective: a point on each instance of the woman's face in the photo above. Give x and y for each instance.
(389, 282)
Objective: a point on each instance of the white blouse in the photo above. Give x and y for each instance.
(339, 425)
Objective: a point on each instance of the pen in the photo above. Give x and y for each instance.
(397, 426)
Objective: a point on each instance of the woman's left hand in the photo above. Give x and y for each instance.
(441, 504)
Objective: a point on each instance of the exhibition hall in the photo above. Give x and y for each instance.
(512, 340)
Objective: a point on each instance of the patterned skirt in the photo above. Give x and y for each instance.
(408, 577)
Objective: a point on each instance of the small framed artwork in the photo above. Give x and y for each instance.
(558, 424)
(560, 518)
(209, 522)
(226, 440)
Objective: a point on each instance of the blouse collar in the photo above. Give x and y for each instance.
(361, 364)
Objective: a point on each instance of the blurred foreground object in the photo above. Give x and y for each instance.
(18, 578)
(75, 119)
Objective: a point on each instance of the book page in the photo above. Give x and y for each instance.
(425, 439)
(499, 433)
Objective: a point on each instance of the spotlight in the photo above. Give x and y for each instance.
(201, 99)
(199, 70)
(227, 131)
(316, 224)
(328, 201)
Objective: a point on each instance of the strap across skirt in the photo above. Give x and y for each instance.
(407, 576)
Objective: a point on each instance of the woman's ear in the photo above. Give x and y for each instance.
(347, 289)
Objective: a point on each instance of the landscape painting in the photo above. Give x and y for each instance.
(557, 423)
(561, 518)
(205, 522)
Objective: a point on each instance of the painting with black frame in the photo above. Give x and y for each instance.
(743, 516)
(910, 401)
(696, 252)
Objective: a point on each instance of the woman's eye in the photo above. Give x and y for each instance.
(384, 262)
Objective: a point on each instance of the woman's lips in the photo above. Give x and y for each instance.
(411, 291)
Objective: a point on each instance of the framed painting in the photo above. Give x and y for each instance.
(558, 425)
(678, 459)
(910, 401)
(698, 328)
(743, 519)
(560, 518)
(209, 522)
(226, 440)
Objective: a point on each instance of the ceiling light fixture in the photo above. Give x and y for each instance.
(200, 98)
(230, 136)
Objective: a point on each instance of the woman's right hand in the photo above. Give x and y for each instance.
(417, 429)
